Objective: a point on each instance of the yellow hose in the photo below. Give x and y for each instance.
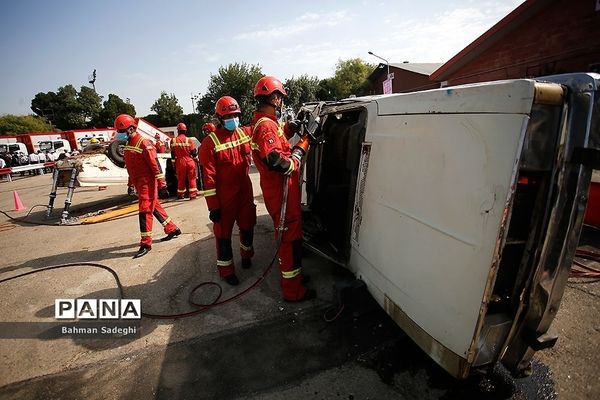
(110, 214)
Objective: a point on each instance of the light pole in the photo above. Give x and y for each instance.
(386, 62)
(194, 98)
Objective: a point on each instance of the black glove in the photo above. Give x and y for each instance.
(131, 190)
(297, 153)
(214, 215)
(163, 193)
(295, 126)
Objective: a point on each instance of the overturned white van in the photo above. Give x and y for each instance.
(460, 208)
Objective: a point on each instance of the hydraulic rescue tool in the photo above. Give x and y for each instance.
(309, 125)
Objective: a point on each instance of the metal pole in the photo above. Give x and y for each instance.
(52, 194)
(386, 62)
(71, 188)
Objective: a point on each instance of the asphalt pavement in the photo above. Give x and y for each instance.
(254, 347)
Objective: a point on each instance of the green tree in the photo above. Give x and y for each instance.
(235, 80)
(91, 105)
(350, 78)
(168, 109)
(301, 90)
(62, 108)
(18, 124)
(45, 104)
(70, 111)
(326, 91)
(113, 107)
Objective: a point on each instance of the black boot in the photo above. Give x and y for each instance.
(246, 263)
(232, 280)
(142, 251)
(171, 235)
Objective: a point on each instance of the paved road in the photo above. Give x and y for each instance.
(254, 347)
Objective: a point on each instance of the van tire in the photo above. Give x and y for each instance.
(115, 153)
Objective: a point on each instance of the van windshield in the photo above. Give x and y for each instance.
(45, 146)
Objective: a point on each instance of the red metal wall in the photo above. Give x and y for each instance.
(404, 81)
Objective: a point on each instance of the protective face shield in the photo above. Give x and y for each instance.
(231, 124)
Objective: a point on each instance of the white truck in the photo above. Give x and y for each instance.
(13, 147)
(54, 146)
(459, 208)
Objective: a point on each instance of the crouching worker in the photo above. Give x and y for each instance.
(225, 163)
(149, 181)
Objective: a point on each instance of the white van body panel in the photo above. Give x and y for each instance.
(459, 208)
(99, 170)
(441, 203)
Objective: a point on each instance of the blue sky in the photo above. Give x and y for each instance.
(140, 48)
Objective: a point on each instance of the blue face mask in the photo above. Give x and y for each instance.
(121, 136)
(231, 124)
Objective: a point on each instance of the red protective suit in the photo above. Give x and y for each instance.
(183, 151)
(271, 154)
(160, 146)
(144, 172)
(225, 161)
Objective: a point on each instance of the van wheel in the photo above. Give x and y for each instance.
(115, 153)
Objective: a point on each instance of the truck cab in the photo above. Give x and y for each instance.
(13, 148)
(460, 208)
(55, 145)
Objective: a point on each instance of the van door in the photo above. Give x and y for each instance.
(460, 208)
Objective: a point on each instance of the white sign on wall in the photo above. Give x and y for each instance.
(387, 86)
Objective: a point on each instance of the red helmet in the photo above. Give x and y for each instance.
(227, 105)
(210, 127)
(124, 121)
(181, 127)
(267, 85)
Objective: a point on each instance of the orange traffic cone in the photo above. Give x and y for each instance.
(18, 203)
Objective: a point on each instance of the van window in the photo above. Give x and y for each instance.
(13, 147)
(46, 146)
(3, 148)
(58, 144)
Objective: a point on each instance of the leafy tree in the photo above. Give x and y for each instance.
(62, 108)
(91, 105)
(18, 124)
(66, 110)
(168, 109)
(350, 78)
(301, 90)
(45, 104)
(113, 107)
(154, 120)
(235, 80)
(326, 90)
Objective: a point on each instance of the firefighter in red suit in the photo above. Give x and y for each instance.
(149, 181)
(225, 161)
(184, 152)
(159, 144)
(208, 128)
(274, 159)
